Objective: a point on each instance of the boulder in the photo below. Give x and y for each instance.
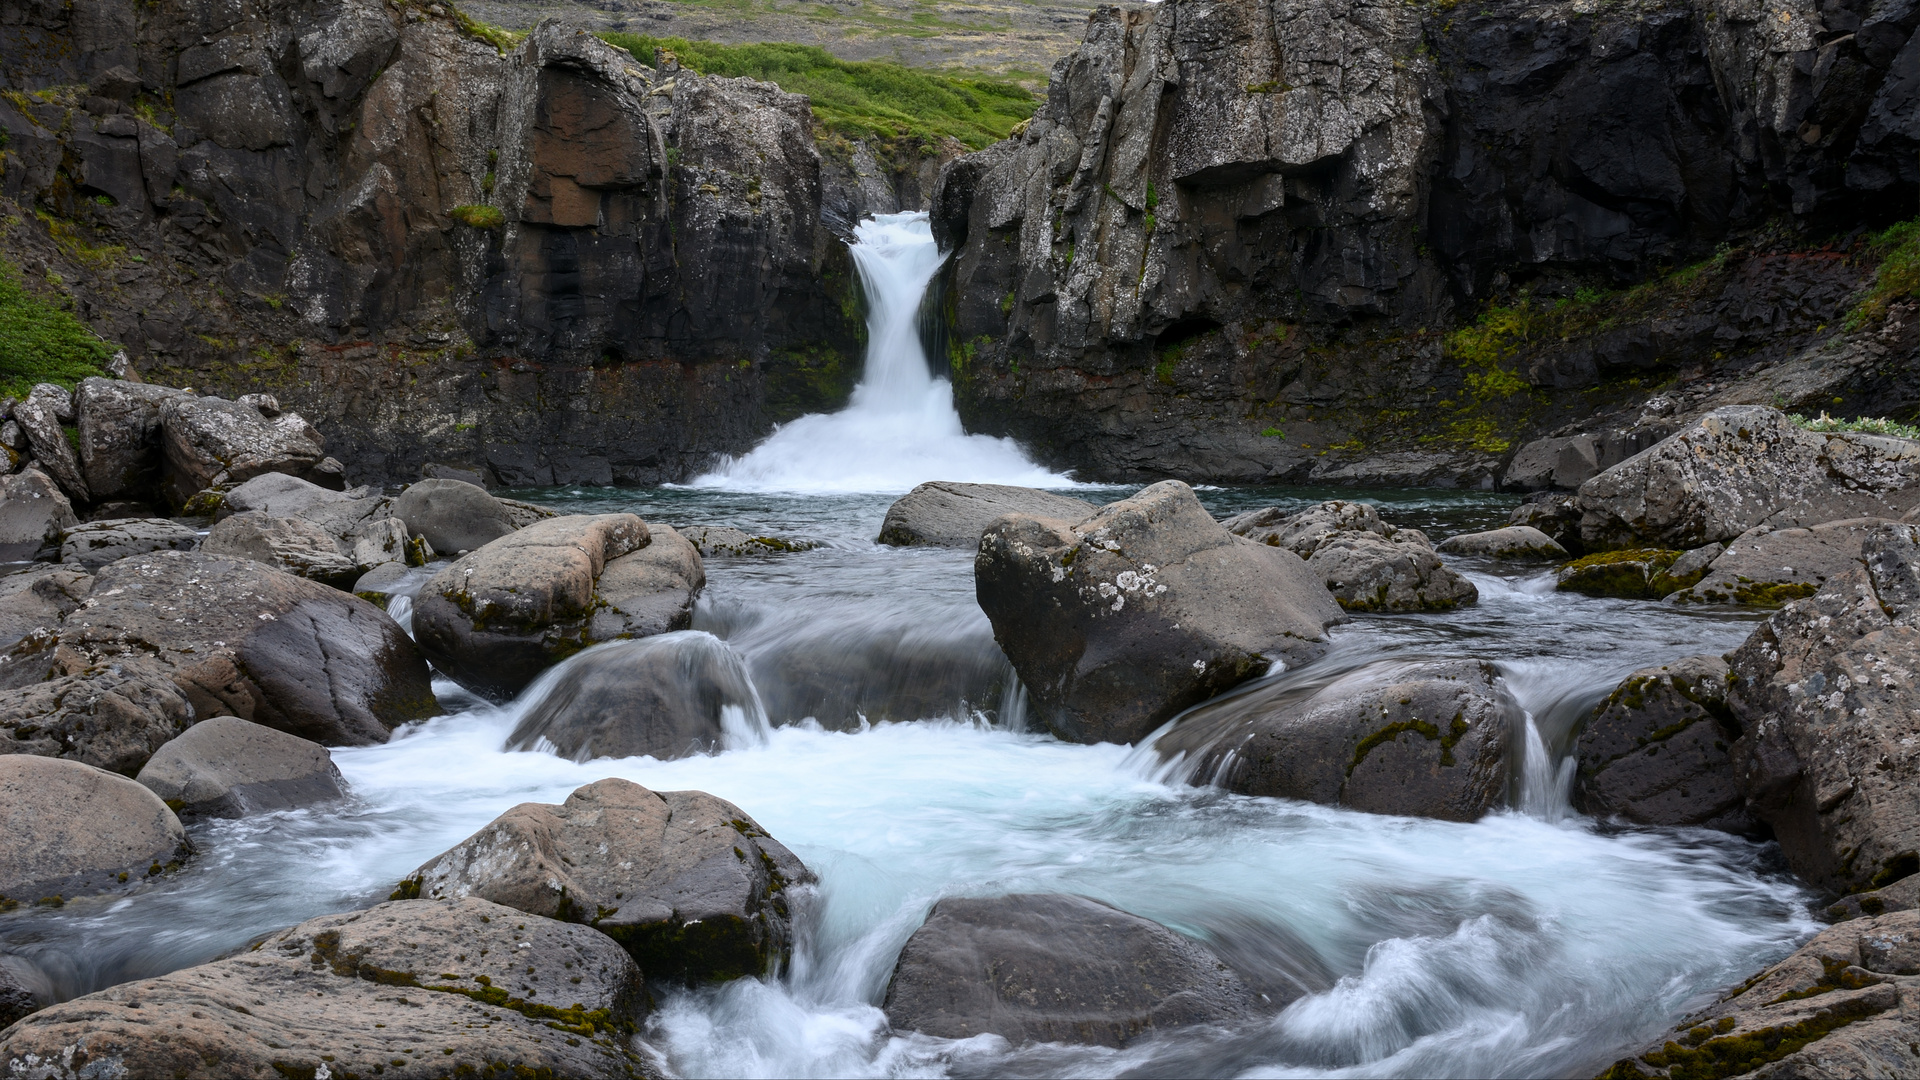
(453, 516)
(1635, 574)
(1518, 543)
(73, 830)
(37, 598)
(111, 715)
(846, 673)
(526, 513)
(1824, 691)
(1742, 466)
(411, 989)
(228, 767)
(121, 450)
(1367, 572)
(386, 581)
(1124, 618)
(33, 514)
(210, 441)
(649, 591)
(1300, 531)
(97, 543)
(686, 882)
(362, 526)
(1428, 741)
(1558, 516)
(16, 1000)
(240, 638)
(499, 616)
(295, 545)
(1061, 969)
(1657, 750)
(42, 417)
(664, 696)
(1767, 567)
(942, 513)
(1846, 1003)
(711, 540)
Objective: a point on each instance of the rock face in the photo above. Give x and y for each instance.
(242, 639)
(1635, 574)
(1054, 968)
(1657, 750)
(38, 598)
(1743, 466)
(295, 545)
(73, 829)
(501, 615)
(687, 883)
(227, 767)
(661, 696)
(452, 516)
(112, 715)
(942, 513)
(1824, 691)
(1840, 1006)
(33, 514)
(460, 987)
(1515, 543)
(97, 543)
(1366, 563)
(211, 441)
(42, 417)
(121, 450)
(1430, 741)
(1120, 620)
(1767, 566)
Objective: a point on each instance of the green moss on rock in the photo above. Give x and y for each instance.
(1635, 574)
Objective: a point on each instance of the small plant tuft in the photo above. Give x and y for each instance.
(479, 217)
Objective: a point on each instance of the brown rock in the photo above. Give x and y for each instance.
(113, 715)
(73, 829)
(227, 767)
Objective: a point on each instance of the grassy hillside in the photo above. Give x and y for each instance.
(40, 342)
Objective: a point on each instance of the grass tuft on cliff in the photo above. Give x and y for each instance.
(42, 343)
(1896, 279)
(1869, 425)
(858, 98)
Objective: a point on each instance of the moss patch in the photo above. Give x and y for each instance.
(1635, 574)
(479, 217)
(1711, 1058)
(41, 342)
(1897, 277)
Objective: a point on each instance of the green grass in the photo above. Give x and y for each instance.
(858, 98)
(1897, 278)
(1870, 425)
(479, 217)
(42, 343)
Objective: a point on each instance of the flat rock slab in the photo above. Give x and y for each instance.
(97, 543)
(229, 767)
(1515, 543)
(1657, 750)
(413, 989)
(1766, 567)
(73, 830)
(663, 697)
(112, 715)
(1057, 968)
(686, 882)
(944, 513)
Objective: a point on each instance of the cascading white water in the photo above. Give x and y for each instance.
(901, 428)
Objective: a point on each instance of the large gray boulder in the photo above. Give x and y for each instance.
(1846, 1004)
(1056, 968)
(1366, 563)
(1120, 620)
(112, 715)
(1656, 751)
(97, 543)
(1429, 740)
(1557, 516)
(686, 882)
(944, 513)
(295, 545)
(229, 767)
(1742, 466)
(121, 450)
(411, 989)
(1515, 543)
(73, 830)
(453, 516)
(43, 416)
(34, 512)
(362, 526)
(1825, 694)
(210, 441)
(1765, 566)
(240, 638)
(664, 696)
(499, 616)
(37, 598)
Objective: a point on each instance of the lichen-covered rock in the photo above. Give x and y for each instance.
(1366, 572)
(1657, 751)
(73, 830)
(33, 514)
(43, 416)
(295, 545)
(37, 598)
(112, 715)
(1843, 1005)
(227, 767)
(97, 543)
(664, 696)
(1766, 567)
(410, 989)
(1122, 619)
(724, 540)
(362, 526)
(1635, 574)
(121, 450)
(686, 882)
(649, 591)
(1056, 968)
(1558, 516)
(211, 441)
(1516, 543)
(1301, 531)
(1428, 741)
(944, 513)
(452, 516)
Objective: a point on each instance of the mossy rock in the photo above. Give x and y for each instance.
(1635, 574)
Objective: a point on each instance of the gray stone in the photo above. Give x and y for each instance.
(1519, 543)
(1429, 741)
(524, 514)
(1301, 531)
(649, 591)
(1124, 618)
(120, 437)
(227, 767)
(1055, 968)
(97, 543)
(433, 471)
(1558, 516)
(33, 514)
(943, 513)
(42, 416)
(1367, 572)
(1767, 567)
(686, 882)
(712, 540)
(112, 715)
(381, 583)
(452, 516)
(362, 526)
(37, 598)
(289, 496)
(295, 545)
(1693, 565)
(16, 1000)
(660, 696)
(210, 441)
(11, 436)
(1657, 750)
(459, 988)
(73, 830)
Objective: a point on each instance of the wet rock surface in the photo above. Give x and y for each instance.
(1056, 968)
(660, 696)
(97, 543)
(1120, 620)
(947, 514)
(113, 715)
(1429, 741)
(417, 988)
(1767, 567)
(686, 882)
(724, 540)
(1515, 543)
(1658, 750)
(227, 767)
(73, 830)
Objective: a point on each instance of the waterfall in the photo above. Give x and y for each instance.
(901, 428)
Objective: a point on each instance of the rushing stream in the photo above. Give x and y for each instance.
(1534, 942)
